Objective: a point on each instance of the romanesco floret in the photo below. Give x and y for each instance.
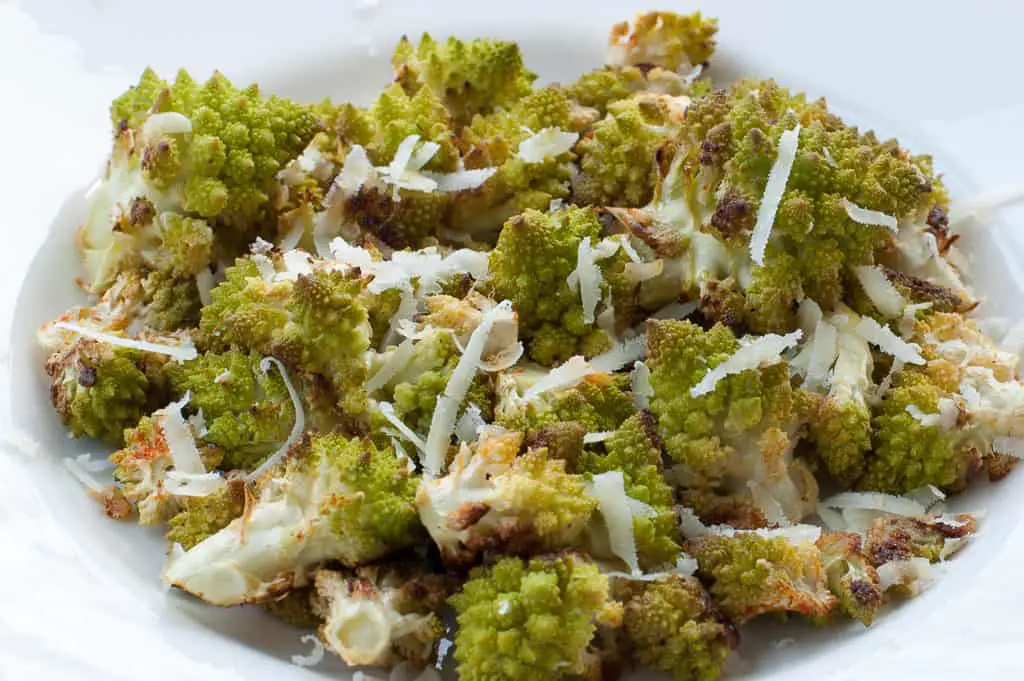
(713, 185)
(247, 411)
(99, 390)
(635, 449)
(597, 90)
(909, 453)
(933, 537)
(534, 257)
(562, 440)
(528, 621)
(850, 575)
(311, 318)
(494, 499)
(380, 616)
(672, 41)
(520, 182)
(617, 156)
(672, 625)
(600, 402)
(738, 438)
(192, 173)
(201, 517)
(334, 499)
(471, 78)
(749, 574)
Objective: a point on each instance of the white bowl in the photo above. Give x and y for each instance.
(558, 42)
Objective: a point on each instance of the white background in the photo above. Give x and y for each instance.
(947, 71)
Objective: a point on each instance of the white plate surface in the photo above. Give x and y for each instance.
(80, 595)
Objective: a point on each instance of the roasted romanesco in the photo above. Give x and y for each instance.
(556, 373)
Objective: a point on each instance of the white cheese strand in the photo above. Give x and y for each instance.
(765, 348)
(773, 191)
(446, 410)
(297, 428)
(182, 352)
(888, 342)
(866, 216)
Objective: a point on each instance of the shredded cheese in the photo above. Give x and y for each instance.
(395, 362)
(599, 436)
(297, 428)
(83, 476)
(204, 285)
(609, 489)
(166, 123)
(888, 342)
(446, 410)
(548, 143)
(913, 573)
(875, 501)
(773, 191)
(823, 352)
(640, 384)
(182, 352)
(882, 293)
(586, 278)
(387, 410)
(460, 180)
(316, 655)
(866, 216)
(564, 375)
(620, 355)
(676, 310)
(767, 348)
(469, 425)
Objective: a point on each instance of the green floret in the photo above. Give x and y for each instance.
(518, 184)
(247, 411)
(617, 157)
(172, 302)
(736, 439)
(634, 449)
(397, 115)
(964, 396)
(100, 390)
(672, 625)
(851, 577)
(909, 454)
(599, 402)
(191, 175)
(495, 500)
(399, 217)
(934, 537)
(530, 621)
(600, 88)
(202, 517)
(315, 323)
(562, 440)
(749, 575)
(334, 499)
(381, 616)
(471, 78)
(715, 178)
(672, 41)
(534, 257)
